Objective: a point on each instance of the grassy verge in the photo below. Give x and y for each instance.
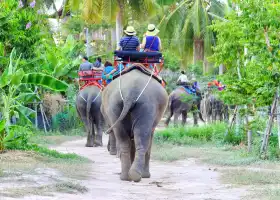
(24, 173)
(47, 190)
(56, 137)
(229, 154)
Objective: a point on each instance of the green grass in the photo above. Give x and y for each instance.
(55, 154)
(191, 135)
(47, 190)
(251, 177)
(214, 135)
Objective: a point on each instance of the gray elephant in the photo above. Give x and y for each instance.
(213, 109)
(133, 105)
(88, 102)
(181, 103)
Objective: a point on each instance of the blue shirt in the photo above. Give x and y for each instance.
(152, 43)
(108, 69)
(85, 66)
(129, 43)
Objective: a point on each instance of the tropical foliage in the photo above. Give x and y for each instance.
(186, 27)
(21, 28)
(248, 45)
(16, 92)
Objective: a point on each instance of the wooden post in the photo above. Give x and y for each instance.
(41, 108)
(278, 116)
(232, 120)
(36, 115)
(249, 134)
(269, 126)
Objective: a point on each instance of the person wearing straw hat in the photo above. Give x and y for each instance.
(129, 42)
(151, 42)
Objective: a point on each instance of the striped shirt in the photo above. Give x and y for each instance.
(129, 43)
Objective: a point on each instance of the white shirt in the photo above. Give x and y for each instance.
(183, 78)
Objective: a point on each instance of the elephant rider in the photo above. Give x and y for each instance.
(98, 64)
(108, 67)
(184, 81)
(151, 42)
(86, 65)
(129, 42)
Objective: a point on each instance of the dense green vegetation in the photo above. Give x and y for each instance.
(214, 135)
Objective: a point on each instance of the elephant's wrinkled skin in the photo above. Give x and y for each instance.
(88, 102)
(177, 106)
(134, 121)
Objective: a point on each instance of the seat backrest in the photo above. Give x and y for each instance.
(151, 57)
(90, 74)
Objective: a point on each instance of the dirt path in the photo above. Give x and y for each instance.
(175, 181)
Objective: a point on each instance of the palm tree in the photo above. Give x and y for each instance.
(187, 27)
(116, 11)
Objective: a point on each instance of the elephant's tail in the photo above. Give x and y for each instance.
(126, 107)
(89, 104)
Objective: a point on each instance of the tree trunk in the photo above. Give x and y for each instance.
(198, 55)
(269, 126)
(221, 69)
(119, 20)
(278, 116)
(113, 38)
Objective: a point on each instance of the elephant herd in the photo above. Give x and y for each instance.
(129, 109)
(207, 106)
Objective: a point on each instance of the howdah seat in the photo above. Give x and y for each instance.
(140, 57)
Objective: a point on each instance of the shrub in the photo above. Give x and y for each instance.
(66, 120)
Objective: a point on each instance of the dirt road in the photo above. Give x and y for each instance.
(178, 180)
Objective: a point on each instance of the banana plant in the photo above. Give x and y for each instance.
(62, 61)
(15, 90)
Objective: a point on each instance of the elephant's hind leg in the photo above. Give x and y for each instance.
(90, 134)
(184, 117)
(142, 135)
(124, 143)
(146, 172)
(112, 144)
(168, 118)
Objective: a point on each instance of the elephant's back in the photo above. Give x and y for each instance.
(89, 91)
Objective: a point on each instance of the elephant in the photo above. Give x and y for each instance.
(213, 108)
(88, 102)
(177, 106)
(133, 104)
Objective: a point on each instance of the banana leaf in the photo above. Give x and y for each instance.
(17, 77)
(27, 97)
(45, 81)
(2, 125)
(4, 79)
(25, 113)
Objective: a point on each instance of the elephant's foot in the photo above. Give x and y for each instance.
(135, 175)
(113, 151)
(89, 144)
(125, 177)
(146, 174)
(98, 144)
(98, 141)
(108, 147)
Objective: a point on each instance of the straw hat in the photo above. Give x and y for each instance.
(152, 30)
(130, 30)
